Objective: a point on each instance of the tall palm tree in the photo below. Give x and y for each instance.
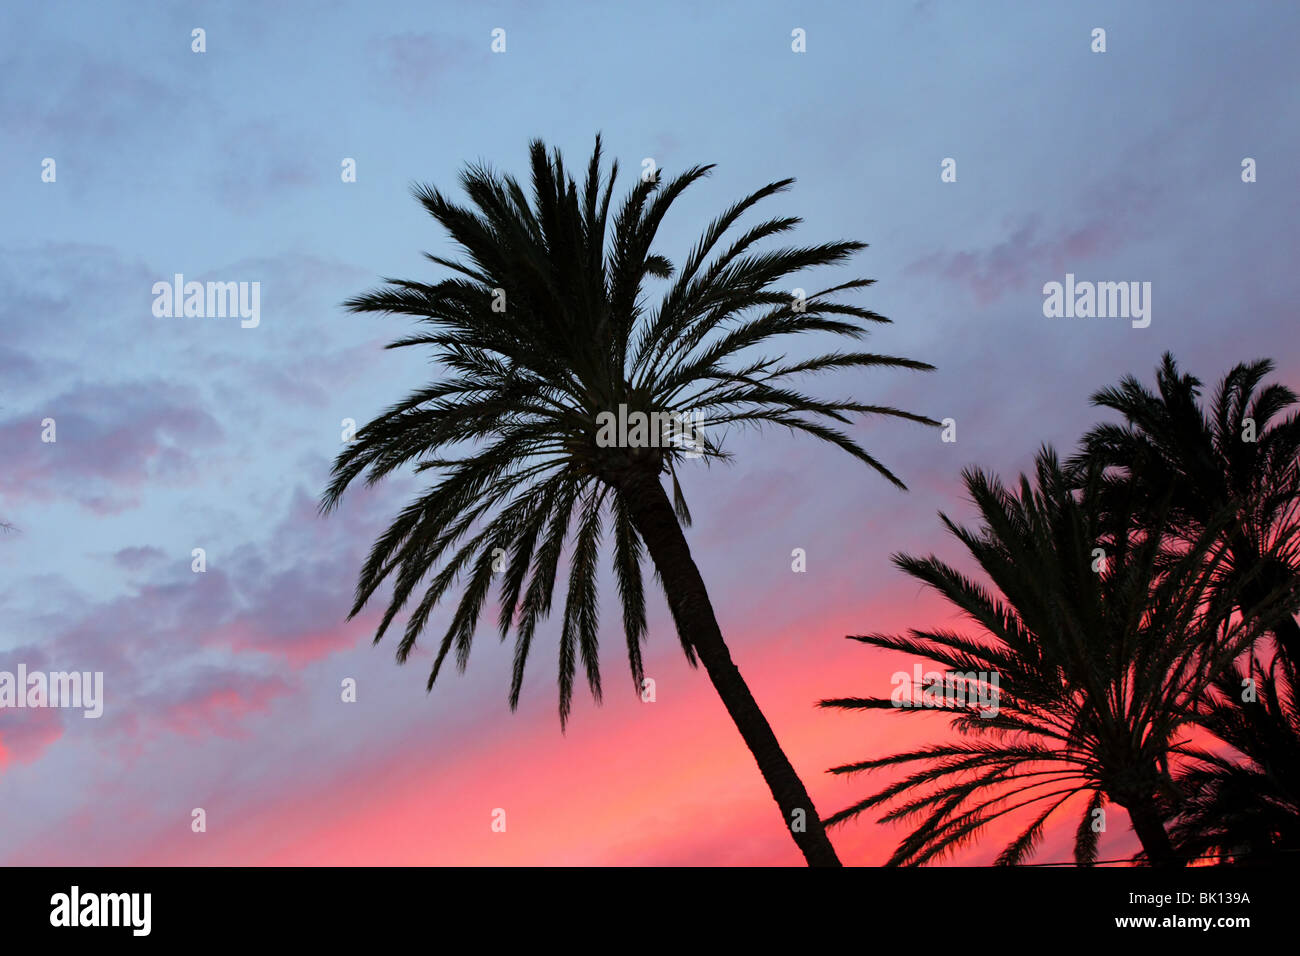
(1093, 660)
(1243, 805)
(1239, 455)
(545, 334)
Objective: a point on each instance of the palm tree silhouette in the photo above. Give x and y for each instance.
(1099, 657)
(1243, 806)
(1239, 456)
(543, 329)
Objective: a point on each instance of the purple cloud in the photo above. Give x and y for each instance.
(1032, 250)
(109, 439)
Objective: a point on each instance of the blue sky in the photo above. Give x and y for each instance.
(183, 433)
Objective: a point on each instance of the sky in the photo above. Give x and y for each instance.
(222, 688)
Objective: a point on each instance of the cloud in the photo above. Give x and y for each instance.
(199, 653)
(293, 599)
(1016, 262)
(138, 558)
(109, 441)
(78, 286)
(411, 64)
(218, 701)
(260, 160)
(1032, 251)
(27, 733)
(18, 370)
(81, 99)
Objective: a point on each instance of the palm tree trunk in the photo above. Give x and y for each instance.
(653, 516)
(1150, 830)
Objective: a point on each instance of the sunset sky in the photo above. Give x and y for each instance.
(222, 688)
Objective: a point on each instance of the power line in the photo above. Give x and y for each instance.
(1190, 859)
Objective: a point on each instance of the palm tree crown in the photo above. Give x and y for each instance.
(545, 327)
(1098, 658)
(1239, 455)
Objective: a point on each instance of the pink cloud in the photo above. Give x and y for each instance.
(219, 702)
(25, 734)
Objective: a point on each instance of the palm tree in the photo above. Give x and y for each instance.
(545, 335)
(1093, 659)
(1243, 805)
(1240, 456)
